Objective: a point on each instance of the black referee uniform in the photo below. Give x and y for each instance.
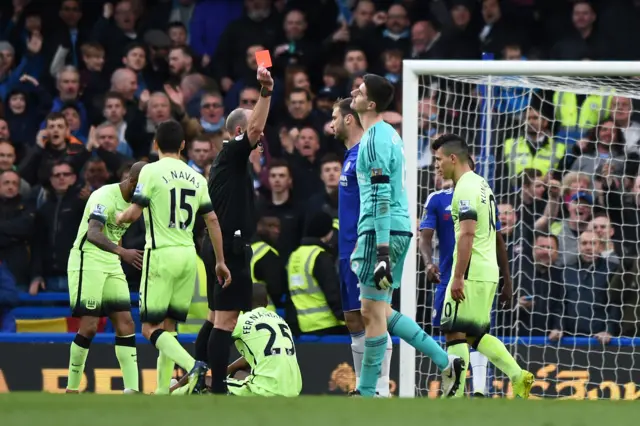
(232, 196)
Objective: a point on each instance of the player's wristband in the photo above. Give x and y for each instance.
(383, 250)
(265, 93)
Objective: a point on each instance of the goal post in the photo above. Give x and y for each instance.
(582, 77)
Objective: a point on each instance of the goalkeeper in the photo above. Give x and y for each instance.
(437, 220)
(384, 233)
(268, 366)
(466, 316)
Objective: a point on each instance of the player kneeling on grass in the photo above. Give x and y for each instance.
(268, 366)
(97, 285)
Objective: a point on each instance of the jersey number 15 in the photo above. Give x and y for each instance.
(183, 195)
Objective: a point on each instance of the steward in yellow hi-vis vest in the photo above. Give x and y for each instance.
(199, 308)
(267, 267)
(535, 149)
(313, 282)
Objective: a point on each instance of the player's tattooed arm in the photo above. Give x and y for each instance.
(96, 237)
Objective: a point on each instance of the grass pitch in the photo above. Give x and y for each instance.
(26, 409)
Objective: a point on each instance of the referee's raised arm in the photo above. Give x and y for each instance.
(258, 120)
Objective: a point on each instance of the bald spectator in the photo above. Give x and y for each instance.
(125, 82)
(427, 42)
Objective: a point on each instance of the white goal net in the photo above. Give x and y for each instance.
(560, 149)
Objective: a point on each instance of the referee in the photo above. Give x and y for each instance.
(232, 195)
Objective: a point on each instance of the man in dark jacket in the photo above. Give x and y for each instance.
(16, 227)
(53, 143)
(57, 222)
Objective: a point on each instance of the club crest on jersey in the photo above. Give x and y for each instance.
(376, 172)
(346, 167)
(99, 210)
(464, 206)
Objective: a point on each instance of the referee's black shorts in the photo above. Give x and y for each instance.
(239, 294)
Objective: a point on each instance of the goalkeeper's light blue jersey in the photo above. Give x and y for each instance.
(384, 206)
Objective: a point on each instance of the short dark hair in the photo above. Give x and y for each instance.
(177, 24)
(379, 90)
(184, 49)
(133, 45)
(62, 162)
(452, 144)
(114, 95)
(330, 158)
(279, 162)
(169, 136)
(344, 106)
(600, 213)
(547, 235)
(300, 90)
(53, 116)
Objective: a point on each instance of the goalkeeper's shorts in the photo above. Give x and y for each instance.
(364, 258)
(471, 316)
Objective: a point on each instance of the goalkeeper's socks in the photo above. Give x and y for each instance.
(478, 372)
(77, 358)
(202, 342)
(460, 348)
(128, 360)
(357, 350)
(374, 350)
(409, 331)
(219, 349)
(169, 346)
(498, 354)
(382, 388)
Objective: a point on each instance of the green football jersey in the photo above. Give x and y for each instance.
(103, 204)
(172, 194)
(264, 339)
(474, 200)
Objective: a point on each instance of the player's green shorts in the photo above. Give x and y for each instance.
(473, 315)
(363, 262)
(97, 294)
(250, 386)
(167, 285)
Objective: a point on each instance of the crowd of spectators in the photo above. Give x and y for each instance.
(84, 85)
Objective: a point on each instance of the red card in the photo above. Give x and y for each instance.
(263, 58)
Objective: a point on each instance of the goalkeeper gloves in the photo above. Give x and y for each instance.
(382, 272)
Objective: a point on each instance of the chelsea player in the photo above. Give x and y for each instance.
(384, 233)
(437, 219)
(347, 128)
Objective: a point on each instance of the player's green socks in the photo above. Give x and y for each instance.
(374, 350)
(164, 370)
(409, 331)
(170, 346)
(128, 360)
(460, 348)
(498, 354)
(77, 357)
